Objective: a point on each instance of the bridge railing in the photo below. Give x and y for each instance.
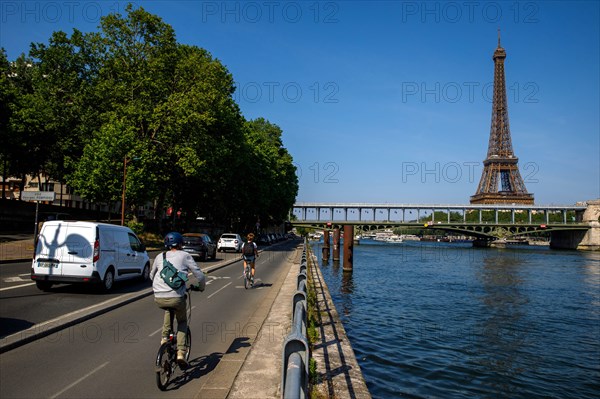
(295, 348)
(416, 214)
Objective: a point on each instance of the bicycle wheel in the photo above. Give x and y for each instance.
(188, 344)
(247, 278)
(164, 366)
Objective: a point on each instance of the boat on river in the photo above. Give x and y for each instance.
(388, 237)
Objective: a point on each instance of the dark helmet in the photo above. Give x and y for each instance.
(173, 239)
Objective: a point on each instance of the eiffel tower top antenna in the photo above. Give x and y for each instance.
(499, 37)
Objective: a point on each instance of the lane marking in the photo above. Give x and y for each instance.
(13, 279)
(78, 381)
(155, 332)
(16, 286)
(223, 287)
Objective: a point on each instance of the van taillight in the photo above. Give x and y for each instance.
(96, 250)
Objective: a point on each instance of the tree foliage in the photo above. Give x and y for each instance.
(80, 107)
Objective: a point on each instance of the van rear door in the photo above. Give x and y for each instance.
(49, 249)
(66, 249)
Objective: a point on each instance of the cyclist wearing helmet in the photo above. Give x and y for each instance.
(169, 299)
(249, 254)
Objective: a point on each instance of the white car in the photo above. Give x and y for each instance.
(230, 241)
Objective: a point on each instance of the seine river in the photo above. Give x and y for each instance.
(441, 320)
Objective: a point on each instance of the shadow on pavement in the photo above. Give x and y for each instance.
(198, 367)
(11, 326)
(119, 287)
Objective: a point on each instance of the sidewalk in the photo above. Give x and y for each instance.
(16, 250)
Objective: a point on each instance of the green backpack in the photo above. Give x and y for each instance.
(171, 276)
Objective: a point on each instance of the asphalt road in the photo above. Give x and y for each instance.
(23, 305)
(112, 355)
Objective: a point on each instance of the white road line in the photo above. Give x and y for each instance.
(16, 286)
(78, 381)
(155, 332)
(14, 279)
(208, 297)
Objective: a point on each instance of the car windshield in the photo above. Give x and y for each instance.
(228, 236)
(191, 240)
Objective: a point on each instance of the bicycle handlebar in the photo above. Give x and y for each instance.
(194, 287)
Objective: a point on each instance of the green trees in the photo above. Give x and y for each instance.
(270, 172)
(82, 106)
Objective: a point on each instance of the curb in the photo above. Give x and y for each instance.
(49, 327)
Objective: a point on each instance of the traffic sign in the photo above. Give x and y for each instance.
(38, 195)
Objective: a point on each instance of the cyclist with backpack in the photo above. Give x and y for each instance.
(170, 295)
(249, 253)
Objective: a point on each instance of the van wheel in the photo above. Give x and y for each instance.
(145, 273)
(43, 285)
(109, 280)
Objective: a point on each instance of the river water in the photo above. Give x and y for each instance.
(443, 320)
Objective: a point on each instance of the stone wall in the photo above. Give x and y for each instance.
(584, 240)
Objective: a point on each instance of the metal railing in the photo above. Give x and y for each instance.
(294, 381)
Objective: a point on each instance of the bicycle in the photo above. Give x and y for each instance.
(166, 358)
(248, 279)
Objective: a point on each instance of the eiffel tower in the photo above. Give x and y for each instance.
(501, 182)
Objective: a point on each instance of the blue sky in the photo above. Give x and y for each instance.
(390, 101)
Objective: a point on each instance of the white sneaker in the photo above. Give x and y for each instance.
(181, 362)
(164, 340)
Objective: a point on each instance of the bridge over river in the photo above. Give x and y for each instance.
(570, 226)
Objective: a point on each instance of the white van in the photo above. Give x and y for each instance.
(87, 252)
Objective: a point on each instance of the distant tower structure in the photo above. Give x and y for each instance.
(501, 182)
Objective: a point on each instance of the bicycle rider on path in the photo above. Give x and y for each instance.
(249, 253)
(169, 299)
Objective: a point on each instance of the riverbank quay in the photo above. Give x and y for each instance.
(338, 372)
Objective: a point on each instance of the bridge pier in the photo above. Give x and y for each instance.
(325, 246)
(482, 243)
(583, 240)
(348, 247)
(336, 244)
